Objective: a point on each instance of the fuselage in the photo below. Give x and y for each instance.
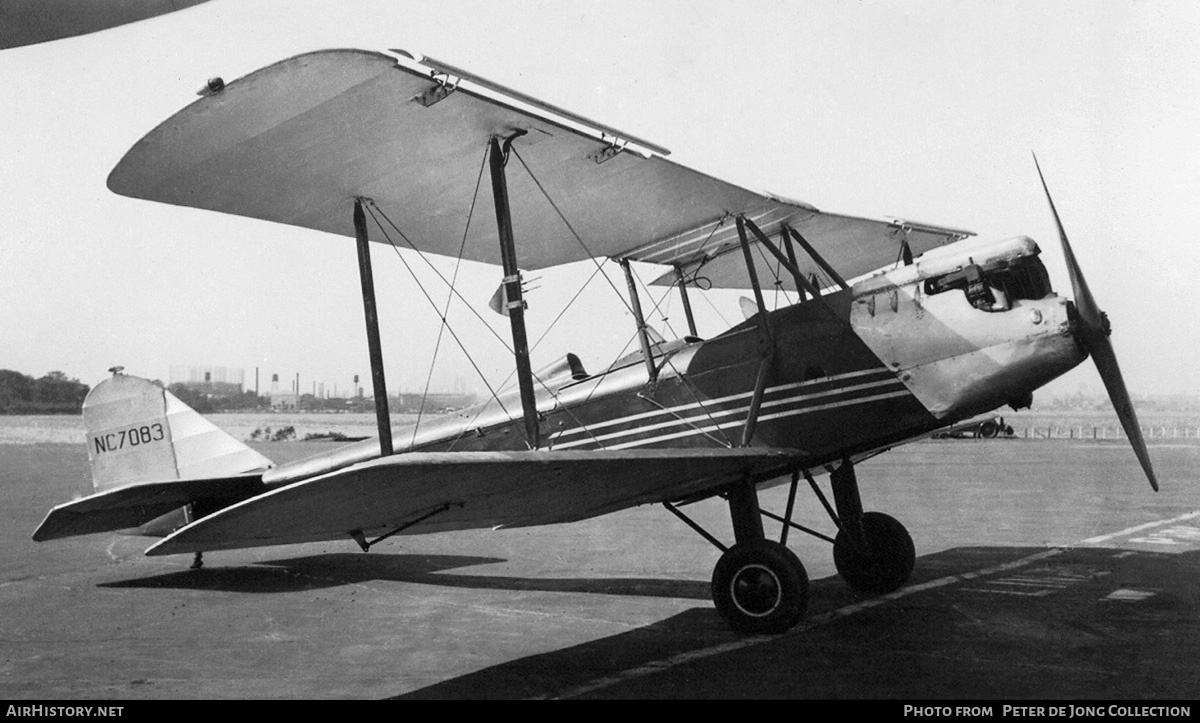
(963, 330)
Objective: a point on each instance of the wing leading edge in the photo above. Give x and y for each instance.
(296, 142)
(470, 490)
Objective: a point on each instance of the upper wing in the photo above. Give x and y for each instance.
(296, 142)
(711, 257)
(470, 490)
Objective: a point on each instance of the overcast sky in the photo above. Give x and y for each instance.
(920, 110)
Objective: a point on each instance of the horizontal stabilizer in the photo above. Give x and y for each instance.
(466, 490)
(138, 504)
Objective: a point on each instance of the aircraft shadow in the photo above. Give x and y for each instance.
(1091, 623)
(308, 573)
(337, 569)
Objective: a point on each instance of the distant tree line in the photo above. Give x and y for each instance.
(204, 401)
(52, 394)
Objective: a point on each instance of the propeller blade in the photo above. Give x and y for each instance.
(1085, 303)
(1110, 372)
(1094, 330)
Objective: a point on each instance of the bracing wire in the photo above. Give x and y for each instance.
(441, 276)
(666, 318)
(716, 227)
(687, 383)
(724, 443)
(539, 341)
(714, 308)
(496, 334)
(454, 291)
(570, 228)
(584, 246)
(599, 268)
(449, 297)
(435, 307)
(667, 295)
(774, 267)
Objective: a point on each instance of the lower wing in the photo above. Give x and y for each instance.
(431, 492)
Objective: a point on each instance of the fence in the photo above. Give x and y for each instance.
(1156, 431)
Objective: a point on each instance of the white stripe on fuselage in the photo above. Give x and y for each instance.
(763, 418)
(590, 429)
(710, 415)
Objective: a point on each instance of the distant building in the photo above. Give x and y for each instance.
(210, 380)
(435, 402)
(284, 401)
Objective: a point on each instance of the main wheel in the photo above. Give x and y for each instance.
(989, 430)
(760, 586)
(887, 564)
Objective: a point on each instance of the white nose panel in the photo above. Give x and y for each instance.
(957, 359)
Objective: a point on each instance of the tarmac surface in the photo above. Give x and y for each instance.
(1045, 570)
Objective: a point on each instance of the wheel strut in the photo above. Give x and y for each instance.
(872, 552)
(758, 585)
(744, 512)
(849, 505)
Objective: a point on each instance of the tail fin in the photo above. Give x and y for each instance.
(139, 432)
(155, 463)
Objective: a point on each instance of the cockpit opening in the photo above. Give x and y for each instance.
(997, 285)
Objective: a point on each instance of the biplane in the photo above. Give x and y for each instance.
(892, 329)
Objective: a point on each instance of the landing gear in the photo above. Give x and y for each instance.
(883, 562)
(872, 552)
(760, 586)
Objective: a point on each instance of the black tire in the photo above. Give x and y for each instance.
(889, 563)
(989, 430)
(760, 587)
